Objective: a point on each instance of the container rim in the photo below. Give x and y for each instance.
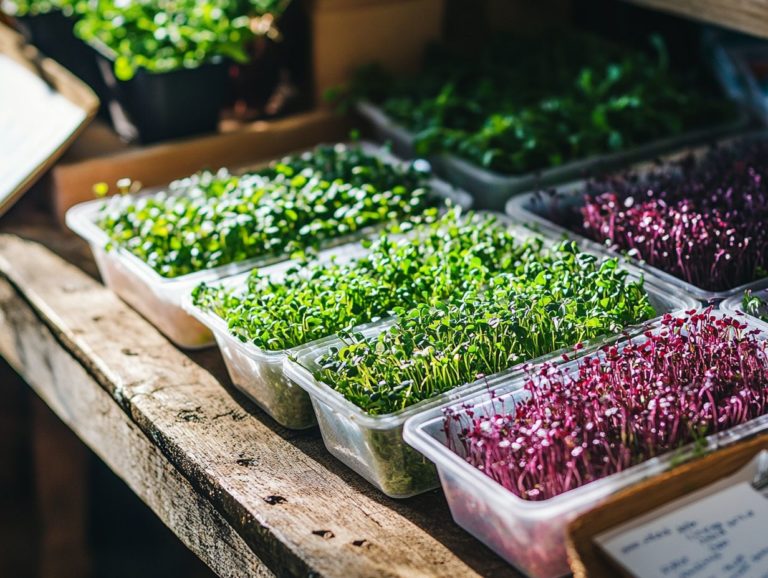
(82, 220)
(415, 435)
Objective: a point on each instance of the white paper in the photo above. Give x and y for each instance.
(34, 121)
(723, 535)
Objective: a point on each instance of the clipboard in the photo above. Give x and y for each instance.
(43, 109)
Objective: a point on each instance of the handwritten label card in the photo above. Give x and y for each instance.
(723, 535)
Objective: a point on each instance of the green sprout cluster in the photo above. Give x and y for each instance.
(523, 105)
(546, 303)
(755, 305)
(311, 300)
(217, 218)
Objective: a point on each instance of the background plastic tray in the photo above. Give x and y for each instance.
(531, 209)
(491, 190)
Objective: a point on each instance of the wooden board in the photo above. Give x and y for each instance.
(750, 16)
(248, 497)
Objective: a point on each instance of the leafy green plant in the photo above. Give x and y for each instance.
(524, 105)
(23, 8)
(436, 263)
(546, 303)
(213, 219)
(165, 35)
(755, 305)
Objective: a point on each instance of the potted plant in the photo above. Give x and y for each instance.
(167, 61)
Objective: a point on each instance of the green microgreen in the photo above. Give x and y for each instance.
(217, 218)
(548, 302)
(437, 262)
(755, 305)
(523, 105)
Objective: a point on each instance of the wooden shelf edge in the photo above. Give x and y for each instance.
(749, 16)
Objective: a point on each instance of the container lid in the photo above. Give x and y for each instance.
(43, 108)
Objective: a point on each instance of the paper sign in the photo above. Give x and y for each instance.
(723, 535)
(34, 122)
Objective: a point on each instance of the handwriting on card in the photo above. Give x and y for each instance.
(723, 535)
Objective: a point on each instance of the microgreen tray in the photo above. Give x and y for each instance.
(373, 445)
(260, 373)
(534, 207)
(158, 298)
(491, 190)
(531, 534)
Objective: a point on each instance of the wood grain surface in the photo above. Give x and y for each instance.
(750, 16)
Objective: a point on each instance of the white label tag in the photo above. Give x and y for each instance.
(723, 535)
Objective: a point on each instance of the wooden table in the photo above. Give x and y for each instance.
(247, 496)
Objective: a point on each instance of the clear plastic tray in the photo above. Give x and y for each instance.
(531, 208)
(531, 535)
(491, 190)
(756, 96)
(158, 298)
(259, 373)
(372, 445)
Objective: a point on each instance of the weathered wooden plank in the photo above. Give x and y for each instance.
(750, 16)
(84, 406)
(297, 509)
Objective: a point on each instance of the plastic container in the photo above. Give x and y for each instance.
(491, 190)
(259, 373)
(372, 445)
(533, 209)
(158, 298)
(152, 107)
(717, 44)
(531, 535)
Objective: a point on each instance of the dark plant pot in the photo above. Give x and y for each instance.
(277, 76)
(53, 35)
(256, 81)
(152, 107)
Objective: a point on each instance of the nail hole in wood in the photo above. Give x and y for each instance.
(274, 500)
